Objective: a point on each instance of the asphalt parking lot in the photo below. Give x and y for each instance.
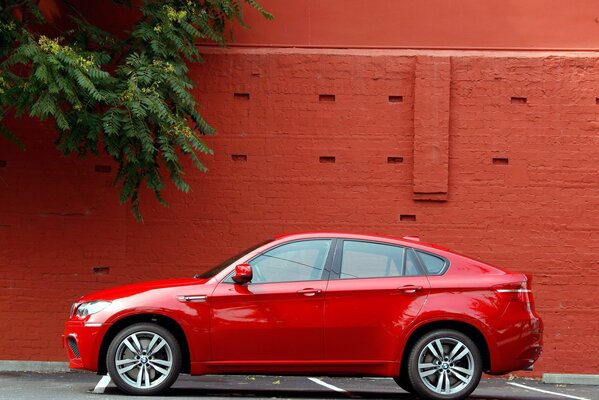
(77, 385)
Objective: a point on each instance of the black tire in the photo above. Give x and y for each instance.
(450, 365)
(404, 382)
(152, 368)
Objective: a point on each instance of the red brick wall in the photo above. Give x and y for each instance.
(522, 182)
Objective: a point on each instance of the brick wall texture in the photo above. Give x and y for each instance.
(492, 154)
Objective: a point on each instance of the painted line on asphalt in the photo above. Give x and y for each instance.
(101, 386)
(332, 387)
(546, 391)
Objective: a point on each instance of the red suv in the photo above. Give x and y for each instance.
(316, 304)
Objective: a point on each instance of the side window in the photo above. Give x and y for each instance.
(296, 261)
(371, 260)
(433, 264)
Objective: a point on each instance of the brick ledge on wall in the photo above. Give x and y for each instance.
(571, 379)
(33, 366)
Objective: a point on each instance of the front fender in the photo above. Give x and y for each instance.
(168, 309)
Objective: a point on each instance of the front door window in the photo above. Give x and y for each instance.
(292, 262)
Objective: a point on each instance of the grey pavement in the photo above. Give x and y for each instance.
(78, 385)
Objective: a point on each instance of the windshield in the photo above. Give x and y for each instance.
(213, 271)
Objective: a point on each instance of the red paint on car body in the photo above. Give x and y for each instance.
(330, 325)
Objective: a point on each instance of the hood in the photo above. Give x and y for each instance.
(136, 288)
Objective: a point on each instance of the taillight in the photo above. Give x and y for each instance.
(519, 292)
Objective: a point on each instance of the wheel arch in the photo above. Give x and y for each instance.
(166, 322)
(470, 330)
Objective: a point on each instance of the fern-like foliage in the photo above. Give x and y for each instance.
(128, 95)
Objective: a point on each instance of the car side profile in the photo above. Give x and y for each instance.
(329, 304)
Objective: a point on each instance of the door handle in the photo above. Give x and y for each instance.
(410, 288)
(309, 291)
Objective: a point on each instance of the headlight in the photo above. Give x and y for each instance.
(90, 308)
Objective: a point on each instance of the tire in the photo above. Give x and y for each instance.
(404, 382)
(444, 365)
(144, 359)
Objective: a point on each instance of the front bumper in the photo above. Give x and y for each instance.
(82, 342)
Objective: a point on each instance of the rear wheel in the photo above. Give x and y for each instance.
(444, 365)
(144, 359)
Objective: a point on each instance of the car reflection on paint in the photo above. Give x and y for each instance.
(316, 303)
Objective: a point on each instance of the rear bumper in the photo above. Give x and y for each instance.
(518, 347)
(82, 342)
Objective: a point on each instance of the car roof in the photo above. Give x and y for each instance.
(409, 241)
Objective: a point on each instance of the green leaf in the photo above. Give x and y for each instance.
(111, 122)
(126, 93)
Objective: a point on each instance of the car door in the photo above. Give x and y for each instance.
(376, 290)
(278, 316)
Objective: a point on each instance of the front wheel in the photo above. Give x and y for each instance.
(144, 359)
(444, 365)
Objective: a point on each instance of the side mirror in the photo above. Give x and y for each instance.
(243, 274)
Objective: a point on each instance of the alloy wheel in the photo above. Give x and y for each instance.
(144, 359)
(446, 366)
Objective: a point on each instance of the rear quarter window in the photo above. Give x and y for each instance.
(434, 265)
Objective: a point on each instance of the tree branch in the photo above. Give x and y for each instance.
(15, 6)
(75, 10)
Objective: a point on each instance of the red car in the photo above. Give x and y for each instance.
(316, 304)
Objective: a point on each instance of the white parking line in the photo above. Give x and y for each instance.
(102, 384)
(332, 387)
(546, 391)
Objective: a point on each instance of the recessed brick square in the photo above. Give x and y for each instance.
(239, 157)
(394, 160)
(104, 169)
(241, 96)
(327, 159)
(101, 270)
(407, 218)
(519, 100)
